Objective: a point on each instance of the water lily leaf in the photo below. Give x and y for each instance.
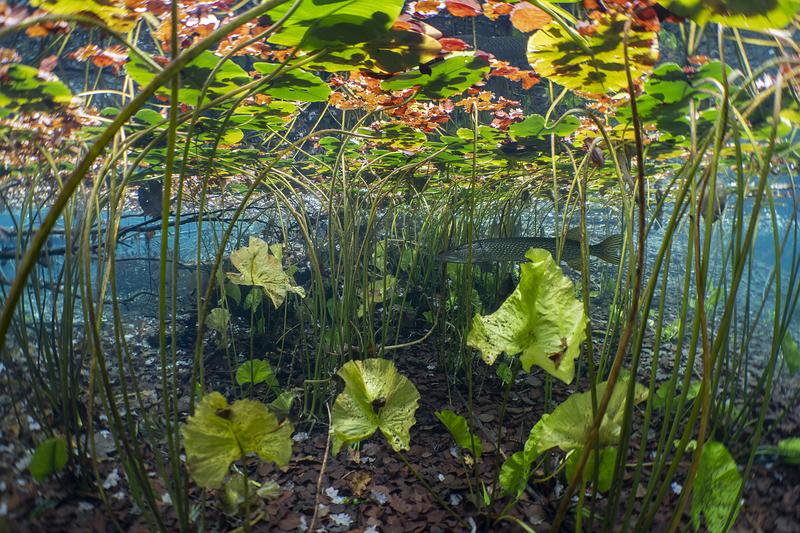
(514, 474)
(791, 354)
(112, 14)
(50, 457)
(789, 450)
(218, 319)
(317, 24)
(229, 77)
(21, 89)
(255, 372)
(541, 319)
(746, 14)
(260, 264)
(716, 488)
(608, 459)
(554, 54)
(534, 127)
(452, 76)
(297, 85)
(262, 117)
(375, 396)
(568, 426)
(219, 434)
(459, 429)
(396, 51)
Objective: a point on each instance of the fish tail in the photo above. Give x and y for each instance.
(609, 250)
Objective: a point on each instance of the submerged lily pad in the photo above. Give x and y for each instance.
(219, 434)
(600, 67)
(541, 319)
(260, 264)
(112, 13)
(375, 396)
(716, 490)
(452, 76)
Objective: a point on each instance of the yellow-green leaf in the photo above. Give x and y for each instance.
(260, 264)
(541, 319)
(219, 434)
(716, 490)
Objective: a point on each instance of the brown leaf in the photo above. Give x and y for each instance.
(463, 8)
(527, 18)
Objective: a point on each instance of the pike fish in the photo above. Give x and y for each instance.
(514, 248)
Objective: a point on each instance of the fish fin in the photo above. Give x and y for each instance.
(574, 234)
(609, 250)
(575, 264)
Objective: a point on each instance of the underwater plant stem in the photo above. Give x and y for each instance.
(318, 490)
(616, 366)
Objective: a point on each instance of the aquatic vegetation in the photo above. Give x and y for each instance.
(548, 249)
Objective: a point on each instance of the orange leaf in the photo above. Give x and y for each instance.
(494, 9)
(451, 44)
(526, 17)
(463, 8)
(426, 7)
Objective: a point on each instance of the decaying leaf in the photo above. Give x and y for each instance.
(260, 264)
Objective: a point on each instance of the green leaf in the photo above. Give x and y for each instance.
(789, 450)
(452, 76)
(260, 264)
(716, 491)
(375, 396)
(282, 405)
(21, 89)
(113, 13)
(255, 372)
(297, 85)
(218, 319)
(541, 319)
(50, 457)
(229, 77)
(554, 54)
(568, 426)
(791, 354)
(317, 24)
(746, 14)
(514, 474)
(533, 127)
(219, 434)
(608, 458)
(232, 498)
(459, 429)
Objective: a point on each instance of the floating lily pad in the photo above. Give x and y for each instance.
(598, 69)
(746, 14)
(375, 396)
(229, 77)
(113, 13)
(297, 85)
(449, 77)
(541, 319)
(534, 127)
(317, 24)
(219, 434)
(260, 264)
(21, 89)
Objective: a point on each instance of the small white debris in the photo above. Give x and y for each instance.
(676, 487)
(300, 436)
(303, 523)
(85, 506)
(33, 425)
(23, 462)
(341, 519)
(333, 494)
(166, 498)
(112, 480)
(2, 368)
(3, 486)
(455, 499)
(372, 529)
(3, 509)
(119, 495)
(380, 497)
(440, 476)
(454, 452)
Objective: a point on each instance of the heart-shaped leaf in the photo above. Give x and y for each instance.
(260, 264)
(541, 319)
(255, 372)
(446, 78)
(219, 434)
(375, 396)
